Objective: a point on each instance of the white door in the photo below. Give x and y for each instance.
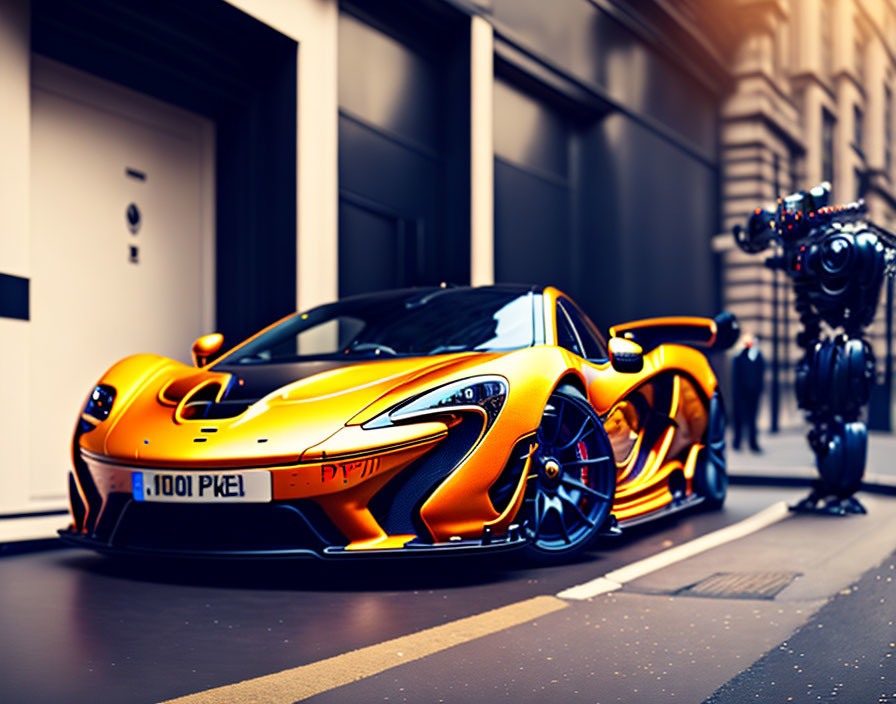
(122, 246)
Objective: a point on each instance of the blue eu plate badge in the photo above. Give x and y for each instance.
(137, 486)
(251, 486)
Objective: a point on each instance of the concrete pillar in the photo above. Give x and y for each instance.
(876, 75)
(843, 34)
(15, 255)
(806, 26)
(314, 25)
(482, 156)
(15, 118)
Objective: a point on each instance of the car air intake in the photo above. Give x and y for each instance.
(203, 404)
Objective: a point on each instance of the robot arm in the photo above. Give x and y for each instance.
(835, 256)
(806, 226)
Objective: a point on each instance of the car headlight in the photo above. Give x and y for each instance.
(481, 392)
(100, 402)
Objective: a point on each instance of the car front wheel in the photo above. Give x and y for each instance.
(572, 479)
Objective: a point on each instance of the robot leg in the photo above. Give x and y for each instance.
(833, 385)
(840, 450)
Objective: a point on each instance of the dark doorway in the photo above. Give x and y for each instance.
(596, 202)
(534, 189)
(551, 158)
(403, 146)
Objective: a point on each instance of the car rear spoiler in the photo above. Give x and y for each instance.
(719, 333)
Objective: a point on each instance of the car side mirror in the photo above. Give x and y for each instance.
(626, 356)
(207, 349)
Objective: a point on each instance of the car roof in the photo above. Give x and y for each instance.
(423, 291)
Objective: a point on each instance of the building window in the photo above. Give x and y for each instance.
(860, 57)
(858, 127)
(888, 130)
(827, 146)
(861, 185)
(776, 53)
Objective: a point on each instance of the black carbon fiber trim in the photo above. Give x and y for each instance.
(501, 492)
(396, 506)
(221, 529)
(78, 509)
(88, 488)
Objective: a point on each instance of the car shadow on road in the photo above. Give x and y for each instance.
(302, 574)
(369, 574)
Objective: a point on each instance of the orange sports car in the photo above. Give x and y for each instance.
(412, 422)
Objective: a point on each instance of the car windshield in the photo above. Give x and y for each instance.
(399, 323)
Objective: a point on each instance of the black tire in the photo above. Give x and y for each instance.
(573, 480)
(710, 474)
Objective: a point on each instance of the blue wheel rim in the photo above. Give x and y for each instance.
(572, 477)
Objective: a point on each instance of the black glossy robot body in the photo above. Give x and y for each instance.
(837, 261)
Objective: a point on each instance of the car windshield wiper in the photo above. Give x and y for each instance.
(444, 349)
(423, 300)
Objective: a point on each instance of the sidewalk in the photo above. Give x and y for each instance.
(787, 459)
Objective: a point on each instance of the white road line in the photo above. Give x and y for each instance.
(296, 684)
(615, 579)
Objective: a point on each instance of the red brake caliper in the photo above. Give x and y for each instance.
(582, 452)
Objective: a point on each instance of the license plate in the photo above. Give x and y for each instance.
(202, 487)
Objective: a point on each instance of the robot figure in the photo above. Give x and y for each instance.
(836, 260)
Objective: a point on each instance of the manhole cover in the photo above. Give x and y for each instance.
(741, 585)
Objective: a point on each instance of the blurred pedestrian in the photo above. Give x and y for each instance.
(747, 378)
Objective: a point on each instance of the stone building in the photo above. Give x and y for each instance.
(811, 100)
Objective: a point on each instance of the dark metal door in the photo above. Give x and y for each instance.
(378, 248)
(397, 192)
(533, 190)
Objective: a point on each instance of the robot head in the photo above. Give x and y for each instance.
(799, 212)
(793, 217)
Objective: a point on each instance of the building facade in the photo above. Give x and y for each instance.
(811, 100)
(175, 168)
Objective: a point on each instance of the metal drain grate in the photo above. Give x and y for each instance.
(741, 585)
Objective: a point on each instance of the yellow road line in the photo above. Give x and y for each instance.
(302, 682)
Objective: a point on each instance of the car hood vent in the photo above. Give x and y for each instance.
(207, 402)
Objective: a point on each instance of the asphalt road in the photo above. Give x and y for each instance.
(846, 653)
(76, 627)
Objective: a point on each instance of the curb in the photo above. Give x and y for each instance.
(19, 547)
(873, 484)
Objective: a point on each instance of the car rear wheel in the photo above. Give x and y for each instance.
(710, 475)
(572, 479)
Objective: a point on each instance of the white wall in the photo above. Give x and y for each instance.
(311, 23)
(15, 54)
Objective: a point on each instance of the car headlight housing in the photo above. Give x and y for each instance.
(480, 393)
(99, 404)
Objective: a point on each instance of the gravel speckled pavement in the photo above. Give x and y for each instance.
(824, 661)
